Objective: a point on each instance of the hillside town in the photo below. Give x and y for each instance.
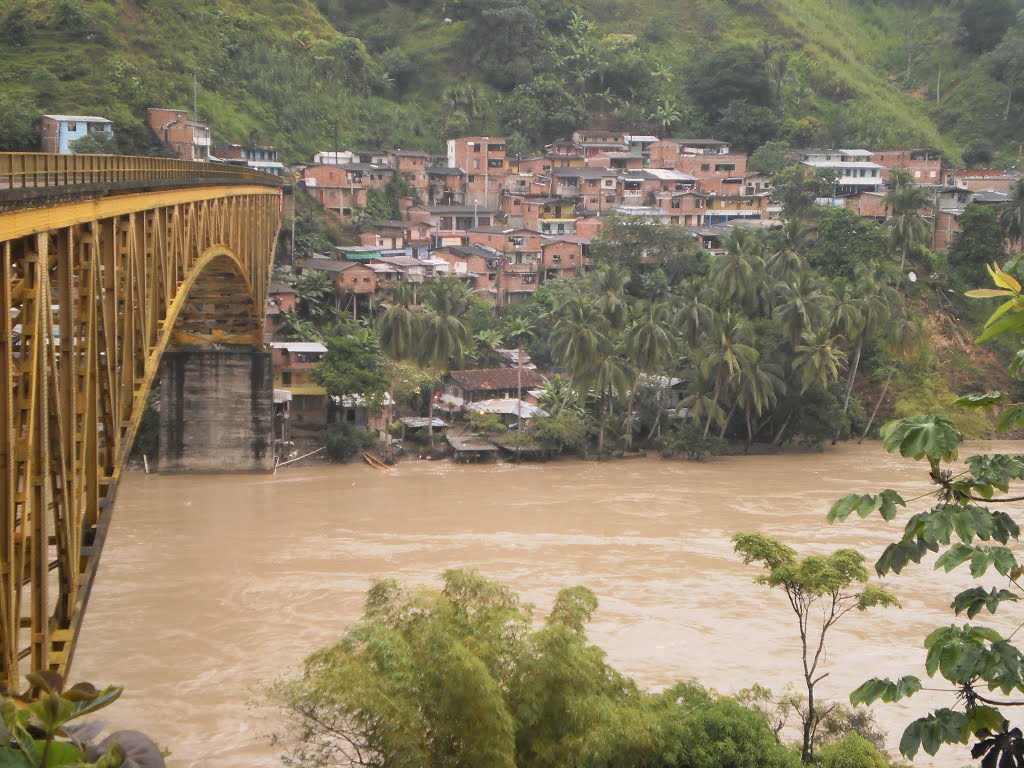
(503, 226)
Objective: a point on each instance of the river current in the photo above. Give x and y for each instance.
(211, 585)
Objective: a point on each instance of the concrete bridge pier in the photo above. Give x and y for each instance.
(216, 410)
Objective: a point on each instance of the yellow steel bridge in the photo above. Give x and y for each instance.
(106, 260)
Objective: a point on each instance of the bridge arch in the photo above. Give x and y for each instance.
(92, 293)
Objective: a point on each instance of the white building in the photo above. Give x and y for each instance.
(857, 172)
(59, 132)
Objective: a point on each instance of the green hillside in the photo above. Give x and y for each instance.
(304, 74)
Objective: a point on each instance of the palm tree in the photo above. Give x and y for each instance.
(726, 353)
(577, 335)
(693, 318)
(1012, 215)
(795, 238)
(818, 359)
(757, 390)
(398, 329)
(610, 286)
(611, 373)
(651, 348)
(801, 305)
(873, 300)
(485, 346)
(443, 336)
(908, 229)
(904, 333)
(315, 296)
(519, 329)
(734, 270)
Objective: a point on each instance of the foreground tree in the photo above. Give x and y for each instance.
(460, 678)
(984, 668)
(827, 586)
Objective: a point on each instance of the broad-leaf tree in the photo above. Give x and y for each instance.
(968, 524)
(821, 590)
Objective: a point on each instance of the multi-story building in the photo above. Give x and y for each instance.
(60, 132)
(856, 172)
(292, 362)
(255, 157)
(411, 166)
(484, 161)
(341, 189)
(188, 139)
(923, 165)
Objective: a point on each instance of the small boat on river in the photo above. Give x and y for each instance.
(375, 461)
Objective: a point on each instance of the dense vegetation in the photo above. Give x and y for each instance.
(462, 676)
(798, 333)
(308, 74)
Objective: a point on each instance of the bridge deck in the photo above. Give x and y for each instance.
(30, 179)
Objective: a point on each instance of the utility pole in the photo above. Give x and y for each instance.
(195, 97)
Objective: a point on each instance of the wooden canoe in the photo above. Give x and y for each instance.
(374, 461)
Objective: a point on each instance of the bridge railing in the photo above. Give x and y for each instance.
(31, 170)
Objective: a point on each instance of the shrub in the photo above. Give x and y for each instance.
(690, 441)
(851, 751)
(345, 441)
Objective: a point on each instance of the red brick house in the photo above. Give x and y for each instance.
(484, 161)
(411, 166)
(564, 255)
(924, 165)
(187, 138)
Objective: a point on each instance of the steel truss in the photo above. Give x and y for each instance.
(92, 294)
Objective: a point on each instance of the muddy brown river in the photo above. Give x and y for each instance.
(210, 585)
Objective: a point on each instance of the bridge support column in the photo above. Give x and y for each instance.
(216, 411)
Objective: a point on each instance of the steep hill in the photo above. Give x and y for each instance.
(306, 74)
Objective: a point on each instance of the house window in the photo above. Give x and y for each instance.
(72, 127)
(917, 174)
(725, 166)
(471, 178)
(529, 279)
(705, 166)
(476, 164)
(516, 241)
(286, 378)
(676, 204)
(495, 163)
(366, 279)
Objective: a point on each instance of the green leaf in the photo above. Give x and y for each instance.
(911, 741)
(980, 561)
(865, 504)
(985, 719)
(958, 554)
(104, 698)
(13, 758)
(1011, 417)
(1003, 560)
(921, 436)
(974, 600)
(1004, 324)
(979, 401)
(987, 293)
